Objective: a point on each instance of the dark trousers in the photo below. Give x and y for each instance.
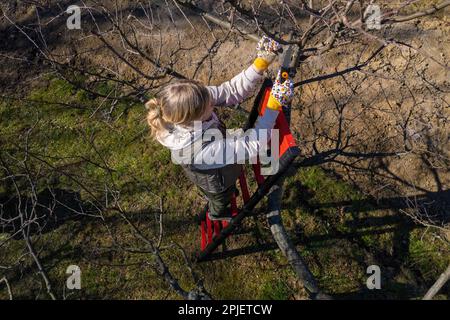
(219, 203)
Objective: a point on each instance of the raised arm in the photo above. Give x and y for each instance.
(247, 146)
(244, 84)
(237, 89)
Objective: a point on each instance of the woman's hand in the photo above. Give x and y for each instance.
(266, 51)
(282, 93)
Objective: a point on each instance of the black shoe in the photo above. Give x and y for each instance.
(227, 216)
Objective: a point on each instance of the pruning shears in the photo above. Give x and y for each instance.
(285, 62)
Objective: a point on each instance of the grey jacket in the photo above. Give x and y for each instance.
(192, 149)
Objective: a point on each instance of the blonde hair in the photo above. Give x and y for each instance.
(181, 102)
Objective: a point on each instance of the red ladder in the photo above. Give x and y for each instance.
(288, 150)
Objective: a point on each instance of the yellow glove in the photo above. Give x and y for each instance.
(266, 52)
(281, 94)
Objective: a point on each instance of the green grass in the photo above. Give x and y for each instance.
(351, 241)
(275, 289)
(429, 255)
(337, 241)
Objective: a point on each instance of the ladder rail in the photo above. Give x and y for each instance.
(246, 210)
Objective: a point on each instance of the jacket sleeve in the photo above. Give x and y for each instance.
(241, 149)
(237, 89)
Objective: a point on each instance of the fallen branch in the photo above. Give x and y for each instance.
(7, 287)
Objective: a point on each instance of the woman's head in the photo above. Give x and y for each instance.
(180, 103)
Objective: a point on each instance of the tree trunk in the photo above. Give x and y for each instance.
(288, 248)
(443, 278)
